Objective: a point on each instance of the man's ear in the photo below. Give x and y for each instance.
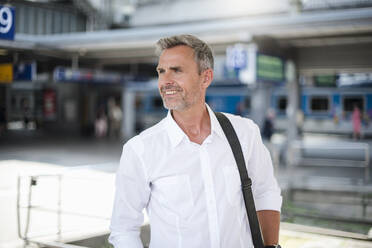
(207, 77)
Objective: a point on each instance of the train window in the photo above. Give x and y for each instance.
(247, 103)
(282, 104)
(157, 102)
(319, 104)
(350, 101)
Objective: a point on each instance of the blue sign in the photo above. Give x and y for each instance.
(7, 22)
(236, 57)
(62, 74)
(24, 72)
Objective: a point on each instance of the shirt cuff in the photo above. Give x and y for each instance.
(123, 241)
(271, 201)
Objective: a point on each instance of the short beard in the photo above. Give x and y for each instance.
(179, 106)
(183, 103)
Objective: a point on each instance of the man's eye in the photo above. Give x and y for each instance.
(160, 71)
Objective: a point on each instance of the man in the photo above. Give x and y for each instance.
(182, 169)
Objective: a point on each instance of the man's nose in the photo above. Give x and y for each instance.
(165, 79)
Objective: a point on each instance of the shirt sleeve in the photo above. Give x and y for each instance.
(266, 192)
(131, 197)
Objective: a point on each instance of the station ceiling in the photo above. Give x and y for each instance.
(307, 29)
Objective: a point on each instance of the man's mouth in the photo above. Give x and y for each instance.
(170, 92)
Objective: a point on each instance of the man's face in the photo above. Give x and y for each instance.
(180, 84)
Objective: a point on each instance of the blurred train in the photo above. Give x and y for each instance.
(323, 110)
(326, 110)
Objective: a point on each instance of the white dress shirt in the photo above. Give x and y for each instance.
(192, 193)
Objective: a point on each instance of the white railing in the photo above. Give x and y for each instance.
(63, 196)
(334, 4)
(341, 154)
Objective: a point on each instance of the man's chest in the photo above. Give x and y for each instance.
(194, 179)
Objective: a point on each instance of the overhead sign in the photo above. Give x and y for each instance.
(354, 79)
(236, 56)
(325, 80)
(270, 68)
(25, 71)
(7, 22)
(248, 75)
(62, 74)
(6, 73)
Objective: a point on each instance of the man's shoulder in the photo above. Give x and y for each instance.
(246, 129)
(151, 133)
(240, 122)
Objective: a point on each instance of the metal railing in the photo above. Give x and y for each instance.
(351, 155)
(33, 182)
(335, 158)
(24, 230)
(334, 4)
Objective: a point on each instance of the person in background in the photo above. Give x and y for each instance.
(183, 171)
(268, 126)
(356, 120)
(100, 123)
(115, 117)
(26, 110)
(300, 122)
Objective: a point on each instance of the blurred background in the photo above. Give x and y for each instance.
(78, 79)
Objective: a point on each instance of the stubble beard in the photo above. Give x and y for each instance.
(184, 102)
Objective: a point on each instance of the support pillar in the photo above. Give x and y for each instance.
(75, 62)
(260, 103)
(293, 102)
(129, 115)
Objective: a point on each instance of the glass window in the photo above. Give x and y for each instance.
(319, 104)
(282, 104)
(350, 101)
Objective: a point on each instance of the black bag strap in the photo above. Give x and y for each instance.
(236, 148)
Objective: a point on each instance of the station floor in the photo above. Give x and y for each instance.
(72, 186)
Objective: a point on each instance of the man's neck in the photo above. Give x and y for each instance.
(195, 122)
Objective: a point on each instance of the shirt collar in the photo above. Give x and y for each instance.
(215, 125)
(176, 134)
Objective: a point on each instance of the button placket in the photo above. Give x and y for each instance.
(210, 197)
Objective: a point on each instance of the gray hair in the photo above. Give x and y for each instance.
(202, 52)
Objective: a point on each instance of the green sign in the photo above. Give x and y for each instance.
(270, 68)
(325, 81)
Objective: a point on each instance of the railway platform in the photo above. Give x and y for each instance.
(57, 212)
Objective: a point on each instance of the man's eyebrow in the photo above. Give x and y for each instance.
(175, 68)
